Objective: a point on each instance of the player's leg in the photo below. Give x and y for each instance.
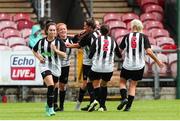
(82, 89)
(106, 77)
(125, 74)
(95, 77)
(132, 89)
(136, 75)
(62, 85)
(56, 89)
(48, 79)
(89, 89)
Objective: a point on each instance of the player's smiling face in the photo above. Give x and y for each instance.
(62, 31)
(52, 31)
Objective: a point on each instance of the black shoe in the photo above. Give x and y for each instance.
(56, 109)
(61, 109)
(85, 108)
(92, 106)
(122, 104)
(104, 107)
(127, 109)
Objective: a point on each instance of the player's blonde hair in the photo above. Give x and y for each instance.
(137, 25)
(60, 24)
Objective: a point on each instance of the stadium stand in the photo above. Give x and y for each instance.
(147, 17)
(13, 41)
(21, 17)
(120, 33)
(7, 25)
(5, 48)
(25, 33)
(20, 48)
(5, 17)
(129, 16)
(173, 64)
(153, 24)
(3, 41)
(7, 33)
(112, 17)
(22, 24)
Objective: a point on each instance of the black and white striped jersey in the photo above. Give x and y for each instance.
(52, 59)
(66, 61)
(86, 44)
(102, 54)
(134, 44)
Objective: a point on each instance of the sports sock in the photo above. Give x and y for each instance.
(90, 91)
(103, 95)
(97, 93)
(81, 94)
(50, 96)
(62, 98)
(55, 95)
(123, 93)
(130, 101)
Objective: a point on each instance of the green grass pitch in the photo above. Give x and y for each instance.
(142, 109)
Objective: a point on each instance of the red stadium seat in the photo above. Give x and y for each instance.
(20, 48)
(7, 33)
(145, 3)
(113, 25)
(128, 26)
(120, 33)
(24, 24)
(169, 47)
(117, 24)
(155, 33)
(25, 33)
(5, 17)
(3, 41)
(153, 24)
(147, 17)
(4, 48)
(14, 41)
(152, 41)
(146, 32)
(7, 24)
(21, 17)
(111, 17)
(128, 17)
(159, 16)
(164, 41)
(173, 64)
(154, 8)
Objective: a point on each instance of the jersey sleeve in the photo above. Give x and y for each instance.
(85, 41)
(35, 48)
(146, 42)
(92, 49)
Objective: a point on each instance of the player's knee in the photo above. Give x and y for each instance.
(103, 84)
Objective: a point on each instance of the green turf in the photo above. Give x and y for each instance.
(142, 109)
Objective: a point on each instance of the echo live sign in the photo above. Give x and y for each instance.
(23, 67)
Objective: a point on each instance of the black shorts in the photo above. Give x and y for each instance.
(97, 76)
(86, 70)
(64, 75)
(48, 72)
(135, 75)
